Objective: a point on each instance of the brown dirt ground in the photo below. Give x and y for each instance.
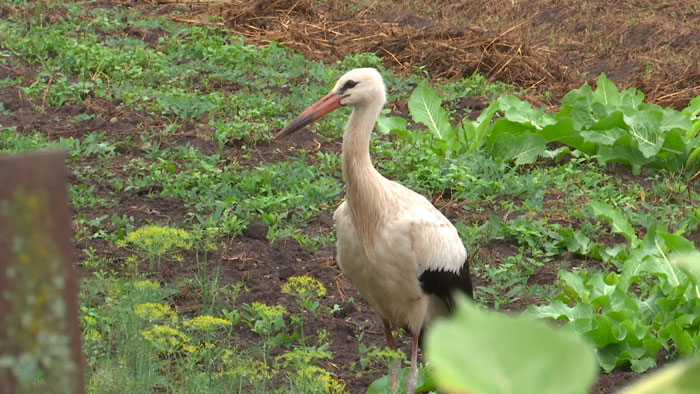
(545, 46)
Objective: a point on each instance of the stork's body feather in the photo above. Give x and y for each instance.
(409, 239)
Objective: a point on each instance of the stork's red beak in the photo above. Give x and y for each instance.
(326, 104)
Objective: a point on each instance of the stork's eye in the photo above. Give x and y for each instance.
(348, 85)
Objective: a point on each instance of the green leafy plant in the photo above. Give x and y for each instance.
(56, 90)
(605, 123)
(12, 142)
(383, 385)
(631, 314)
(610, 125)
(445, 140)
(620, 127)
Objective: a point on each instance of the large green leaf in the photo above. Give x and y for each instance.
(606, 93)
(672, 119)
(585, 114)
(503, 125)
(557, 310)
(563, 131)
(675, 143)
(689, 262)
(645, 127)
(682, 377)
(693, 156)
(624, 154)
(484, 352)
(519, 111)
(523, 149)
(573, 286)
(584, 93)
(612, 120)
(677, 243)
(476, 132)
(425, 107)
(386, 125)
(693, 109)
(603, 137)
(383, 384)
(631, 97)
(618, 222)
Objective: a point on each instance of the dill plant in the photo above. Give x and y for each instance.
(305, 289)
(208, 325)
(158, 241)
(152, 311)
(116, 313)
(313, 379)
(304, 375)
(166, 339)
(209, 286)
(266, 320)
(242, 370)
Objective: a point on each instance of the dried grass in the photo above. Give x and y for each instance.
(541, 45)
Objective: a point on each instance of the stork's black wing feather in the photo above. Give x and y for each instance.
(445, 283)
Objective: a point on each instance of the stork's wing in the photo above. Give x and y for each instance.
(423, 236)
(416, 231)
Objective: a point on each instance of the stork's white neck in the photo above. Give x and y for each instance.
(366, 191)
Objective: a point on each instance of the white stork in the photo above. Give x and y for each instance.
(402, 254)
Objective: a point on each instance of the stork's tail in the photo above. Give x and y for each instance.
(445, 284)
(465, 278)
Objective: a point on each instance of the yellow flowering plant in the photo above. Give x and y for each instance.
(158, 241)
(313, 379)
(267, 321)
(165, 338)
(302, 356)
(207, 323)
(255, 372)
(264, 319)
(91, 332)
(146, 285)
(305, 289)
(152, 311)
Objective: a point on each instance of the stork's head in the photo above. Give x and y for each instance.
(358, 87)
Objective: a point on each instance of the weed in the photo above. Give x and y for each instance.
(11, 141)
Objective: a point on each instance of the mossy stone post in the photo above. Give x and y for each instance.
(40, 349)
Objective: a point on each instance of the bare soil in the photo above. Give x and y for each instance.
(546, 46)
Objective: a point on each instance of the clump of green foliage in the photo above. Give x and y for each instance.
(609, 125)
(645, 305)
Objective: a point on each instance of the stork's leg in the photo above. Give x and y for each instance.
(412, 380)
(395, 367)
(389, 335)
